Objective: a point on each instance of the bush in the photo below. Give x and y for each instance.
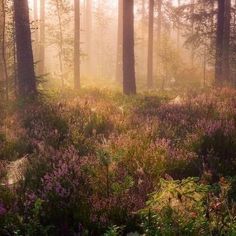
(189, 207)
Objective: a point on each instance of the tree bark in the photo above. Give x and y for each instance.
(25, 62)
(129, 83)
(77, 44)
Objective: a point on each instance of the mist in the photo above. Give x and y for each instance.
(117, 117)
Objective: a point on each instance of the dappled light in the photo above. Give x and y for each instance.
(117, 117)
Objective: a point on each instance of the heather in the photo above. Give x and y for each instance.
(100, 163)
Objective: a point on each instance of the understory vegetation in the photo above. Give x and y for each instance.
(100, 163)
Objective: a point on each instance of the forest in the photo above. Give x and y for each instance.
(118, 117)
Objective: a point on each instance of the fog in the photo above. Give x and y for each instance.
(98, 43)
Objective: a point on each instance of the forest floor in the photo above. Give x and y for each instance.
(88, 162)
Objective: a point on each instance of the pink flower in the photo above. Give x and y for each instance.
(3, 210)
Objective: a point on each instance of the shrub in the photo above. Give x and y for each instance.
(188, 207)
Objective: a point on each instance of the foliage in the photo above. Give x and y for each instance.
(189, 207)
(95, 158)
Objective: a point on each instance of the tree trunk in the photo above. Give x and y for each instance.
(88, 35)
(222, 68)
(77, 44)
(3, 67)
(42, 38)
(61, 42)
(119, 43)
(1, 43)
(159, 30)
(150, 46)
(25, 62)
(226, 43)
(129, 84)
(219, 42)
(192, 32)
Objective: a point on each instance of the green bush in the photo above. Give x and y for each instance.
(189, 207)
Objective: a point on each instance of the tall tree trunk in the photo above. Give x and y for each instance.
(159, 30)
(226, 44)
(143, 31)
(129, 83)
(61, 42)
(25, 62)
(3, 50)
(150, 46)
(42, 38)
(89, 35)
(222, 68)
(77, 44)
(119, 43)
(143, 19)
(219, 42)
(192, 31)
(1, 44)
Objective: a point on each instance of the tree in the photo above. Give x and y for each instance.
(89, 34)
(150, 45)
(3, 63)
(25, 62)
(222, 68)
(226, 44)
(59, 10)
(119, 42)
(129, 83)
(159, 31)
(77, 44)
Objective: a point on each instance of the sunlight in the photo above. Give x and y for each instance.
(117, 117)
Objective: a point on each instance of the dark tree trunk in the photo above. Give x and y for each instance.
(25, 62)
(77, 44)
(150, 46)
(119, 43)
(3, 59)
(42, 38)
(219, 42)
(226, 44)
(129, 83)
(1, 45)
(222, 68)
